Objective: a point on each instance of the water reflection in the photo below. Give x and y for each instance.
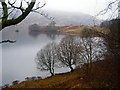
(51, 35)
(18, 58)
(51, 31)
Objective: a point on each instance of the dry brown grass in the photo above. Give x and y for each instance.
(103, 75)
(66, 80)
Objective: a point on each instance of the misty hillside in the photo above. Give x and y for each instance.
(62, 18)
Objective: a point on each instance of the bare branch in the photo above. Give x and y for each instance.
(43, 14)
(109, 7)
(39, 6)
(7, 41)
(13, 2)
(12, 5)
(27, 2)
(5, 11)
(7, 21)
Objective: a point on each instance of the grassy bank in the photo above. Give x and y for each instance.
(82, 30)
(103, 74)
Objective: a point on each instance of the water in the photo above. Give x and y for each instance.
(18, 59)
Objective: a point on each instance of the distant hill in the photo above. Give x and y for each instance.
(62, 18)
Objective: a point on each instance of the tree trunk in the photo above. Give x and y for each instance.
(71, 69)
(114, 46)
(52, 73)
(87, 69)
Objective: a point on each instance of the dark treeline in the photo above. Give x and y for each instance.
(113, 42)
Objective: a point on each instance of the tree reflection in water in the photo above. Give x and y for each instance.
(52, 35)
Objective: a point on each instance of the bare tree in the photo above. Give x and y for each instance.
(12, 13)
(112, 42)
(67, 52)
(11, 8)
(113, 39)
(112, 8)
(93, 49)
(46, 58)
(15, 11)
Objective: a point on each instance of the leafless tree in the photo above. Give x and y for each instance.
(111, 8)
(93, 49)
(68, 52)
(112, 40)
(10, 9)
(46, 58)
(13, 12)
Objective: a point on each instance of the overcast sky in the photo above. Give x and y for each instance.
(86, 6)
(91, 7)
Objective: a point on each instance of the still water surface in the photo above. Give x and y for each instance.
(18, 59)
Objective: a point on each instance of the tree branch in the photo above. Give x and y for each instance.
(5, 11)
(20, 18)
(12, 5)
(109, 6)
(7, 41)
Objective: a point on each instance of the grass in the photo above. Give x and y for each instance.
(103, 75)
(57, 81)
(78, 30)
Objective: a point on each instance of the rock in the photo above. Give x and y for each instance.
(39, 78)
(15, 82)
(5, 86)
(27, 79)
